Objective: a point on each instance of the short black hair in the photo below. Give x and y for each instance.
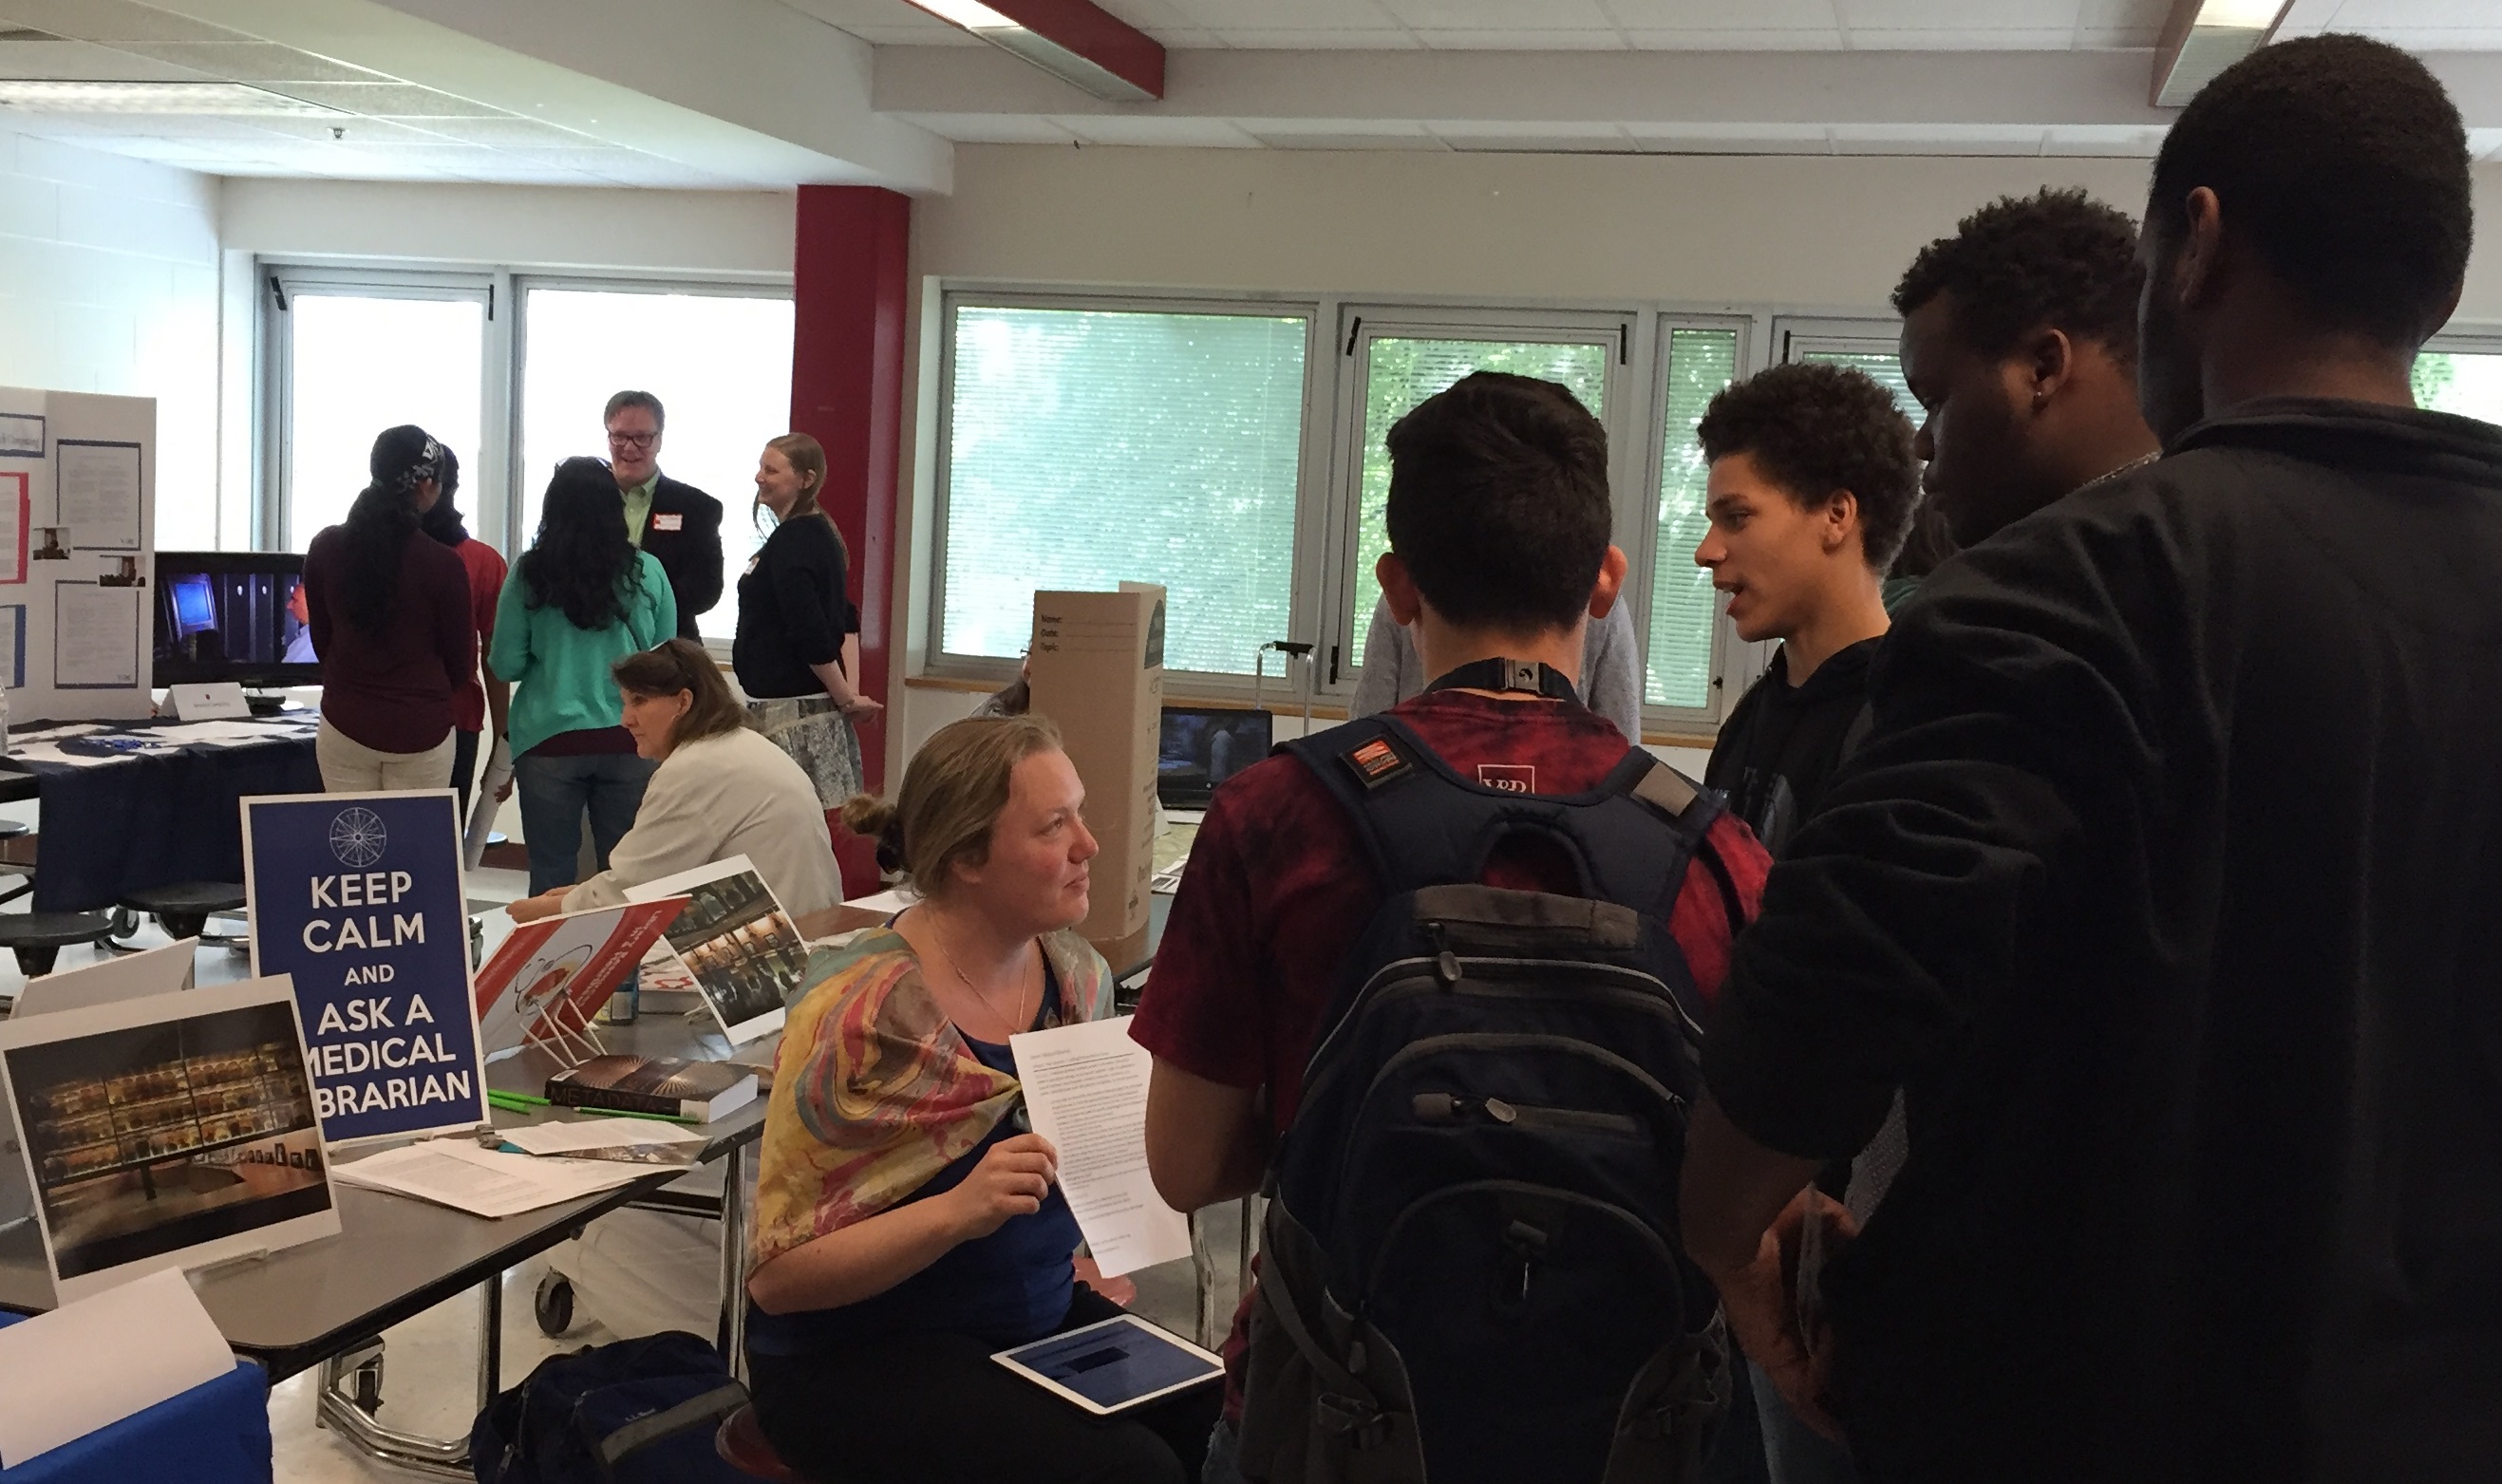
(2344, 166)
(642, 399)
(1498, 502)
(1814, 428)
(2058, 258)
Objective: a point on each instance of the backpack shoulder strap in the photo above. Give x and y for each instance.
(1422, 825)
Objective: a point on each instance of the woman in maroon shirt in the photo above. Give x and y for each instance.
(390, 621)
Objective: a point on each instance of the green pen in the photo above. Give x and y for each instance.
(666, 1118)
(517, 1102)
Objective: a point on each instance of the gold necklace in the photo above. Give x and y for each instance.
(979, 996)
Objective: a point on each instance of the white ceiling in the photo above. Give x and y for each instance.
(672, 93)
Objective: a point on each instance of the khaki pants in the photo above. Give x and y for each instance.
(349, 766)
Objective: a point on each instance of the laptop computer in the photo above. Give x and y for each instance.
(1203, 746)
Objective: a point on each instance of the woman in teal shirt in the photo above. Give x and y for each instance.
(580, 598)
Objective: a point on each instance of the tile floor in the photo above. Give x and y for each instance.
(430, 1363)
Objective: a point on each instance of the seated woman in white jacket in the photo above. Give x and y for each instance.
(722, 790)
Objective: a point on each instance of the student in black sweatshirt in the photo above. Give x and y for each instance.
(1810, 493)
(791, 651)
(2161, 888)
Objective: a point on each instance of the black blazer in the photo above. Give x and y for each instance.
(691, 553)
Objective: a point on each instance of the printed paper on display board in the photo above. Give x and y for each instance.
(736, 942)
(547, 980)
(174, 1130)
(360, 898)
(78, 487)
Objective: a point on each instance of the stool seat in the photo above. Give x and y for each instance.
(38, 937)
(742, 1445)
(201, 897)
(182, 908)
(10, 829)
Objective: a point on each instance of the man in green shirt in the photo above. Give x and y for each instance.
(675, 522)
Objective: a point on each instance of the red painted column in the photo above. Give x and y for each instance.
(848, 290)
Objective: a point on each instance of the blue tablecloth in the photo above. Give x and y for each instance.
(156, 818)
(216, 1434)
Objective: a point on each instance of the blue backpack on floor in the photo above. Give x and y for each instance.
(639, 1411)
(1471, 1271)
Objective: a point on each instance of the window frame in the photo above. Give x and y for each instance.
(280, 284)
(1301, 598)
(1638, 519)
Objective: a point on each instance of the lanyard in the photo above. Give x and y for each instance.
(1509, 675)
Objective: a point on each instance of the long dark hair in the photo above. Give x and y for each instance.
(381, 521)
(443, 522)
(582, 558)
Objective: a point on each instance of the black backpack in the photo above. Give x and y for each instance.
(639, 1411)
(1471, 1267)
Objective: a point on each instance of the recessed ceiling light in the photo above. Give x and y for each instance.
(1075, 41)
(230, 100)
(2203, 37)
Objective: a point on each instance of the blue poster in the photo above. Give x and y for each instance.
(360, 897)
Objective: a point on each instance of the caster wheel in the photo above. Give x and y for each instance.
(554, 1305)
(368, 1387)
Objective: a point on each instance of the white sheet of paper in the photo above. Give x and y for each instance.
(1086, 1090)
(165, 970)
(887, 902)
(95, 636)
(597, 1133)
(88, 1365)
(100, 493)
(482, 1182)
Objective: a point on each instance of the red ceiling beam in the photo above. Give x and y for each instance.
(1076, 41)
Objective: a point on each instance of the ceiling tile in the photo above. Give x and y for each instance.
(509, 132)
(79, 61)
(1222, 16)
(1321, 41)
(1973, 40)
(1500, 15)
(1723, 15)
(253, 62)
(940, 35)
(2118, 38)
(111, 21)
(1960, 15)
(2133, 15)
(2372, 15)
(2484, 143)
(1523, 41)
(992, 128)
(2462, 38)
(1150, 129)
(1827, 40)
(388, 100)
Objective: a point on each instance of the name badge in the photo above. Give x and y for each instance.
(672, 520)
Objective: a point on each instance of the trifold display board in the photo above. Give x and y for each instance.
(77, 541)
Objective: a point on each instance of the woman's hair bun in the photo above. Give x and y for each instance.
(877, 819)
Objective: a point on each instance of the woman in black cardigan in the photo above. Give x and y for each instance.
(793, 619)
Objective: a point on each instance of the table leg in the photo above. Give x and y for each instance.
(339, 1411)
(490, 1339)
(731, 1337)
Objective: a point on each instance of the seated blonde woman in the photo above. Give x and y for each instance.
(905, 1228)
(721, 790)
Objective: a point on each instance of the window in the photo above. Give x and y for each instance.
(2463, 378)
(352, 359)
(1085, 447)
(1867, 345)
(719, 362)
(353, 350)
(1684, 610)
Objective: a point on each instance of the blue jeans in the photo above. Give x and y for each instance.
(1224, 1463)
(555, 793)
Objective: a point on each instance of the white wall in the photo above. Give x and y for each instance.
(109, 283)
(668, 232)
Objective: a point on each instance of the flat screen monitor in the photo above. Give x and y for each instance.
(1202, 747)
(232, 616)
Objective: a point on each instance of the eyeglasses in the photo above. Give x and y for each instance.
(633, 440)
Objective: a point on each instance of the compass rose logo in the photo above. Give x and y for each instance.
(357, 837)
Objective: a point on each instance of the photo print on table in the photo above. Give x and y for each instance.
(742, 950)
(171, 1131)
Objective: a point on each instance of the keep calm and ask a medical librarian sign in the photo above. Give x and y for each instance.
(360, 897)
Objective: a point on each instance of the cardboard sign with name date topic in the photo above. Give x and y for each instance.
(218, 702)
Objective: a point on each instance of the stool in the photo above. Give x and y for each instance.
(182, 909)
(742, 1445)
(38, 937)
(13, 829)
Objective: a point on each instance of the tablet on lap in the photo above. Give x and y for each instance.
(1114, 1366)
